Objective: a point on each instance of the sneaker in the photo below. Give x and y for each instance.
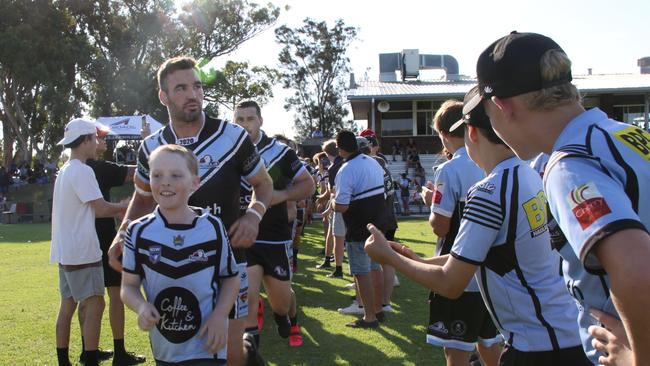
(351, 286)
(295, 338)
(260, 314)
(353, 309)
(396, 282)
(325, 264)
(360, 323)
(127, 359)
(102, 355)
(381, 317)
(284, 327)
(253, 357)
(336, 274)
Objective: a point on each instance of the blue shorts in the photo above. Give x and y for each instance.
(360, 262)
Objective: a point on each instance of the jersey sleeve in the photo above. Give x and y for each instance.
(344, 186)
(481, 222)
(227, 264)
(445, 194)
(248, 158)
(588, 205)
(141, 179)
(129, 255)
(291, 165)
(85, 185)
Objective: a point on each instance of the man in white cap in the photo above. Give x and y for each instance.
(77, 201)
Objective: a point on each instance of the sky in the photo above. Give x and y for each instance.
(606, 36)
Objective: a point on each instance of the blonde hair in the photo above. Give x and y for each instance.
(553, 64)
(190, 158)
(330, 147)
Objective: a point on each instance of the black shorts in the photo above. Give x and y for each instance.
(574, 356)
(112, 278)
(390, 234)
(460, 323)
(275, 259)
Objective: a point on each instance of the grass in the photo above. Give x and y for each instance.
(29, 305)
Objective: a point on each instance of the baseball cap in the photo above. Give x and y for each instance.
(476, 117)
(511, 66)
(76, 128)
(367, 132)
(372, 140)
(362, 143)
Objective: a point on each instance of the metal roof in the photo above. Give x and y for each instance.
(601, 83)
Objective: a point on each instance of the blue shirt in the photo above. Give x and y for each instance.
(503, 230)
(451, 180)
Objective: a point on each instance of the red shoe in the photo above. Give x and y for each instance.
(260, 314)
(295, 337)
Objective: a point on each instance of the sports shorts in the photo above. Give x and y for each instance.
(460, 323)
(275, 259)
(240, 308)
(574, 356)
(82, 283)
(112, 278)
(338, 225)
(360, 261)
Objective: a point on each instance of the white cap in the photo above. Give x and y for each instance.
(76, 128)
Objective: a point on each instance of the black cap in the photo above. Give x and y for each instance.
(511, 66)
(477, 116)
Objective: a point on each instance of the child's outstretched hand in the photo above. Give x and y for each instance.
(215, 332)
(148, 316)
(378, 247)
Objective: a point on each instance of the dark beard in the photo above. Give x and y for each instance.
(188, 117)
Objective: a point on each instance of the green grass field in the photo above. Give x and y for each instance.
(30, 297)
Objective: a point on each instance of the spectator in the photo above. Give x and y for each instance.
(397, 149)
(411, 148)
(404, 185)
(419, 174)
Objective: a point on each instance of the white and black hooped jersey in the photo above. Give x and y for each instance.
(283, 166)
(452, 180)
(181, 267)
(360, 184)
(598, 183)
(504, 232)
(225, 153)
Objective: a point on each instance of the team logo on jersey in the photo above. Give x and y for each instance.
(437, 193)
(180, 314)
(178, 240)
(486, 187)
(155, 252)
(198, 256)
(587, 204)
(207, 162)
(458, 327)
(438, 327)
(535, 209)
(636, 139)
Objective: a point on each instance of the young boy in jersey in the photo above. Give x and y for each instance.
(503, 239)
(463, 324)
(75, 248)
(181, 256)
(596, 179)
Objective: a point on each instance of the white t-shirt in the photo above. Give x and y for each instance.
(74, 239)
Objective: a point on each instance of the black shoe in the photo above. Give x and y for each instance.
(324, 265)
(284, 328)
(336, 274)
(102, 355)
(381, 317)
(253, 357)
(360, 323)
(127, 359)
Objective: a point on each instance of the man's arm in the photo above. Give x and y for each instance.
(448, 280)
(338, 207)
(102, 208)
(243, 232)
(439, 223)
(625, 256)
(129, 174)
(303, 186)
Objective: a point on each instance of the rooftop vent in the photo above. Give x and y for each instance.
(644, 64)
(410, 62)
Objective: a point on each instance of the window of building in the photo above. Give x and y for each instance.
(628, 113)
(409, 118)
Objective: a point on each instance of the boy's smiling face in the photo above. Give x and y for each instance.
(172, 183)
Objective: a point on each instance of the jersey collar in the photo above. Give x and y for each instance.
(507, 163)
(577, 126)
(461, 151)
(186, 141)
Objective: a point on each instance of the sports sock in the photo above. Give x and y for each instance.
(293, 320)
(119, 346)
(255, 332)
(63, 357)
(92, 358)
(283, 323)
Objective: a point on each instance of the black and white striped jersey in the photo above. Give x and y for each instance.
(181, 267)
(504, 231)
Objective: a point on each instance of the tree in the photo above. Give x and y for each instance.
(220, 27)
(313, 64)
(237, 82)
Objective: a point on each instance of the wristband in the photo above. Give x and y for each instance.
(261, 203)
(259, 216)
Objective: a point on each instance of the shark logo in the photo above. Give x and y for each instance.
(199, 256)
(206, 161)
